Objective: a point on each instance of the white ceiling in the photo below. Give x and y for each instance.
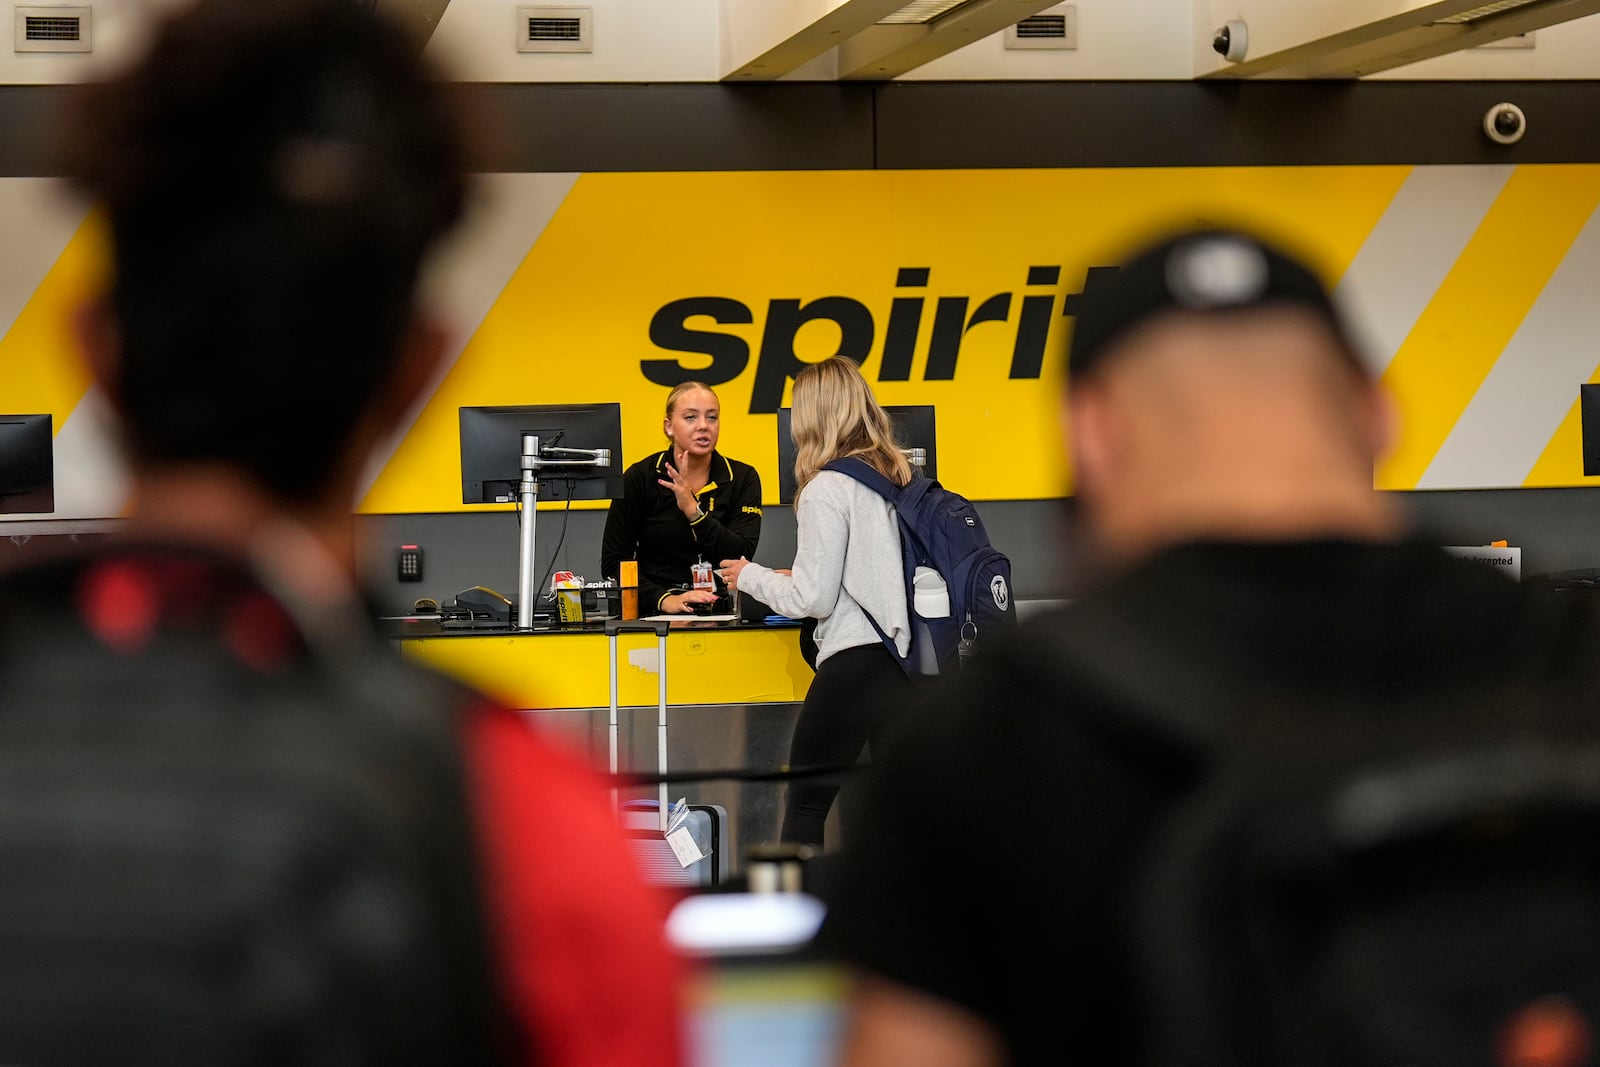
(723, 40)
(1286, 38)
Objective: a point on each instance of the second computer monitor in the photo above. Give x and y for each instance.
(913, 428)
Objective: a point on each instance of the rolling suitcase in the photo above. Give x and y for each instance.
(661, 865)
(646, 821)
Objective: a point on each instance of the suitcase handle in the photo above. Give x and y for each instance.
(624, 626)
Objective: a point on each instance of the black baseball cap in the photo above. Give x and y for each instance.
(1206, 270)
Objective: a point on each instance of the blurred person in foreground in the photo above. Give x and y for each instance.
(237, 827)
(1223, 432)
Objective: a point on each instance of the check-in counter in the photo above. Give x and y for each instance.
(733, 691)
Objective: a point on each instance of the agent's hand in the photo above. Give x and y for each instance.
(729, 572)
(688, 503)
(683, 603)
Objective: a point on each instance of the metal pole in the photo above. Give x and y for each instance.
(528, 492)
(661, 725)
(614, 638)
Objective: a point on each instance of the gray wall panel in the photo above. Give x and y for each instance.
(1557, 529)
(826, 125)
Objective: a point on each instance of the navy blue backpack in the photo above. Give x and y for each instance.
(958, 585)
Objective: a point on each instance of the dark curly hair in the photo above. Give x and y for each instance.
(274, 173)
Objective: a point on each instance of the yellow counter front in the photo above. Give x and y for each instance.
(542, 670)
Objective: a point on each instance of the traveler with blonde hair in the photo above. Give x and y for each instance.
(847, 572)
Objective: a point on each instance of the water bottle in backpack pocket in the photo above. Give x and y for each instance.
(930, 599)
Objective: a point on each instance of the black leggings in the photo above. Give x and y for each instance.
(853, 694)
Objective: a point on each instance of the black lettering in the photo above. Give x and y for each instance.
(1033, 325)
(778, 362)
(950, 325)
(669, 329)
(1094, 277)
(905, 319)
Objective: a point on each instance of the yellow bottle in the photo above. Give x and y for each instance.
(628, 580)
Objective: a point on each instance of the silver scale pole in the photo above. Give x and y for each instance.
(535, 459)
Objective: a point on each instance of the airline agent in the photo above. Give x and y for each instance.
(681, 505)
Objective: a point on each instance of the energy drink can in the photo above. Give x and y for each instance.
(569, 598)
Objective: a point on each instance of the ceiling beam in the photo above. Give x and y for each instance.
(770, 38)
(421, 17)
(879, 53)
(1383, 43)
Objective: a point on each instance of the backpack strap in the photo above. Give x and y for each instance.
(865, 473)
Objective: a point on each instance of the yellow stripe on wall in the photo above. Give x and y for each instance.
(1479, 306)
(1561, 462)
(40, 368)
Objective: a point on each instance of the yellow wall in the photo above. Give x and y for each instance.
(567, 287)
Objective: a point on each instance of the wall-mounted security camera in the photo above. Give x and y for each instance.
(1231, 41)
(1505, 123)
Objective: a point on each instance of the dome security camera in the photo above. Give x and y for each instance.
(1505, 123)
(1231, 41)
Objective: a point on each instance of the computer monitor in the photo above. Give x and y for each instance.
(913, 428)
(27, 464)
(491, 451)
(1589, 419)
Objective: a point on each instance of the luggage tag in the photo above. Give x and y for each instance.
(681, 837)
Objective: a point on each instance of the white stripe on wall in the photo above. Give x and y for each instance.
(1533, 384)
(91, 477)
(509, 213)
(1405, 258)
(37, 219)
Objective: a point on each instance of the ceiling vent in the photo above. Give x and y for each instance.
(1055, 28)
(554, 29)
(52, 29)
(921, 12)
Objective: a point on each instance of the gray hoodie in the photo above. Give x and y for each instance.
(846, 562)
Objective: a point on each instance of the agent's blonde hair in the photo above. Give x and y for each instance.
(677, 394)
(834, 414)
